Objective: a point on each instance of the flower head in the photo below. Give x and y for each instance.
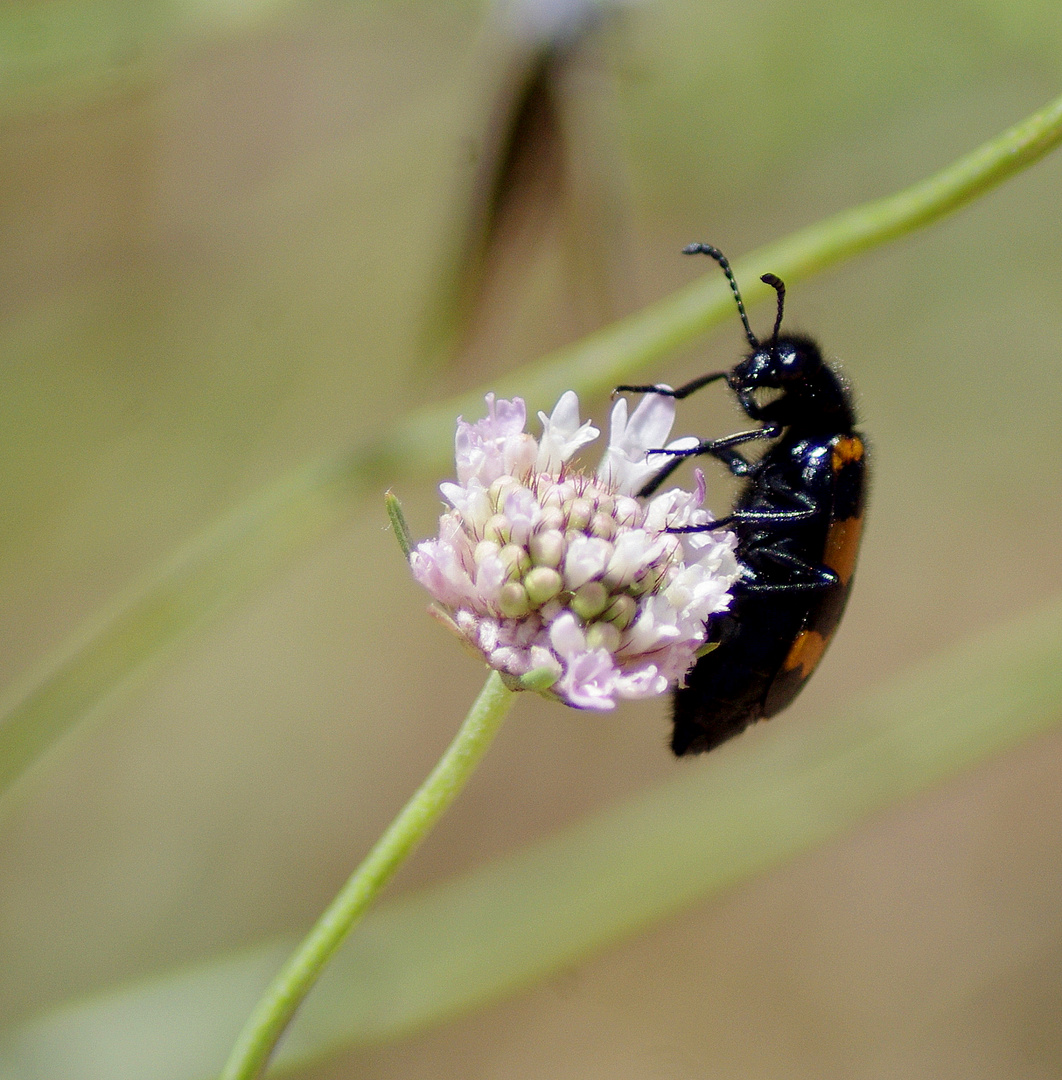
(548, 571)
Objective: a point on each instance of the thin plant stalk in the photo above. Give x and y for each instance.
(296, 978)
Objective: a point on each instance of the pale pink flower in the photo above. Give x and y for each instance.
(568, 580)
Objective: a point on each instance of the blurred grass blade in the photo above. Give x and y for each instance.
(549, 168)
(442, 951)
(223, 564)
(228, 560)
(516, 187)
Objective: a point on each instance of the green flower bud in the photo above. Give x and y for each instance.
(603, 635)
(602, 525)
(547, 548)
(500, 488)
(590, 600)
(579, 514)
(621, 611)
(542, 584)
(516, 560)
(552, 517)
(514, 601)
(497, 528)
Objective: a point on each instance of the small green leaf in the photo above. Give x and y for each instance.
(398, 523)
(539, 680)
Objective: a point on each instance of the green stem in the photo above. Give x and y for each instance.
(596, 363)
(285, 994)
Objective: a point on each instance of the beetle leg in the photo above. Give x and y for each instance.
(786, 491)
(679, 392)
(661, 476)
(821, 577)
(805, 507)
(707, 526)
(714, 446)
(808, 508)
(721, 449)
(774, 517)
(782, 588)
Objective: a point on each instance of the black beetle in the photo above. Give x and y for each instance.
(798, 521)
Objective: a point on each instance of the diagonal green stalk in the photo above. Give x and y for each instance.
(296, 978)
(239, 551)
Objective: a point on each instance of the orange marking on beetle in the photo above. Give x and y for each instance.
(844, 450)
(805, 653)
(842, 547)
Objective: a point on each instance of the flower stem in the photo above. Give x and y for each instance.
(294, 981)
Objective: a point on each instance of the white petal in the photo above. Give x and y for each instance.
(645, 682)
(668, 509)
(503, 417)
(519, 454)
(439, 568)
(655, 627)
(715, 551)
(626, 464)
(487, 635)
(491, 575)
(507, 659)
(523, 512)
(649, 425)
(634, 550)
(587, 558)
(470, 500)
(566, 635)
(539, 657)
(589, 681)
(562, 434)
(480, 448)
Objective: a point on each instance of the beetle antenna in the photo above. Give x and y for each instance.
(778, 285)
(715, 253)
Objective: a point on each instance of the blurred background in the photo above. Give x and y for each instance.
(238, 235)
